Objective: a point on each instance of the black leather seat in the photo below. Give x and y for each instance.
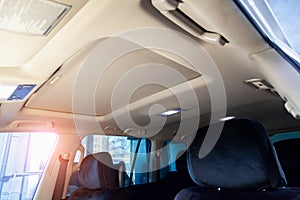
(98, 180)
(242, 165)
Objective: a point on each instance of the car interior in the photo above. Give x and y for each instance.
(149, 99)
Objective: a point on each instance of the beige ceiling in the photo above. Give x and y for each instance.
(67, 50)
(98, 81)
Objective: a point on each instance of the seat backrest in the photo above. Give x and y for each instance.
(242, 158)
(98, 179)
(242, 165)
(97, 172)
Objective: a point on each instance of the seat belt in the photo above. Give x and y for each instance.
(61, 177)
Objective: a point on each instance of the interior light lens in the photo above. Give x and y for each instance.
(170, 112)
(226, 118)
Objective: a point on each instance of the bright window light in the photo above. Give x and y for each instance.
(287, 13)
(6, 91)
(277, 21)
(15, 92)
(24, 157)
(40, 148)
(170, 112)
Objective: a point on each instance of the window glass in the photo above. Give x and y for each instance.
(122, 149)
(142, 164)
(23, 157)
(77, 157)
(284, 136)
(277, 21)
(170, 153)
(287, 13)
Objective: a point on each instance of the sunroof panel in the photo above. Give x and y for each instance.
(33, 17)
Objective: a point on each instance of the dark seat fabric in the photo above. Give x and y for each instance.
(288, 152)
(177, 180)
(73, 183)
(199, 193)
(147, 191)
(96, 171)
(242, 165)
(98, 179)
(74, 179)
(168, 187)
(110, 194)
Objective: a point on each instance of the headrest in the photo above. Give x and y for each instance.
(243, 158)
(96, 172)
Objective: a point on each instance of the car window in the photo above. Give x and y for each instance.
(171, 151)
(284, 136)
(287, 14)
(277, 21)
(122, 149)
(23, 157)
